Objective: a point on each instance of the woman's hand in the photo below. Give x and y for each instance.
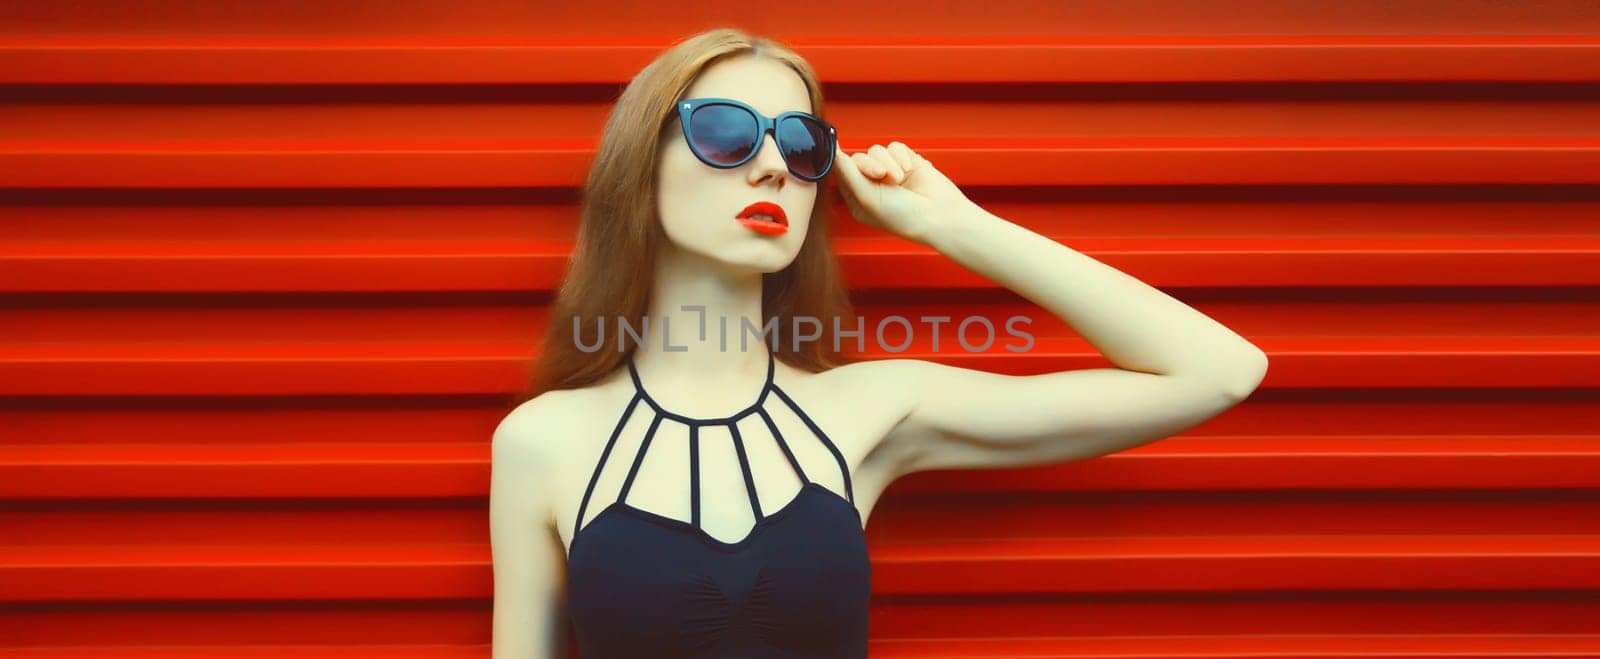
(896, 190)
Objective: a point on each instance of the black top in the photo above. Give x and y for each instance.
(644, 585)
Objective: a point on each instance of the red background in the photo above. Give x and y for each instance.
(269, 270)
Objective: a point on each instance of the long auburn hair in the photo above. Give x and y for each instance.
(609, 274)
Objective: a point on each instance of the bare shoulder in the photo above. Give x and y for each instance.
(527, 449)
(878, 372)
(538, 429)
(884, 384)
(870, 398)
(881, 381)
(528, 427)
(525, 548)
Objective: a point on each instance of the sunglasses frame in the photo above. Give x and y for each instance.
(766, 125)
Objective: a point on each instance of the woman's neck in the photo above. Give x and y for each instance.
(704, 325)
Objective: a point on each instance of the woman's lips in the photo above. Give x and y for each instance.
(778, 225)
(763, 226)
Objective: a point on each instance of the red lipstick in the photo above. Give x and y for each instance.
(778, 223)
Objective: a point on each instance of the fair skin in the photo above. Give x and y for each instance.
(1175, 367)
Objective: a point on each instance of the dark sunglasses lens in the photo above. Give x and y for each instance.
(723, 133)
(806, 145)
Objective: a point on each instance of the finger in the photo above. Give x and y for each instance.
(870, 166)
(904, 156)
(846, 165)
(853, 178)
(882, 156)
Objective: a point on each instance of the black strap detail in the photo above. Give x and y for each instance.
(583, 505)
(838, 456)
(694, 424)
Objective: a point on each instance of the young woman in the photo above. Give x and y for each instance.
(700, 489)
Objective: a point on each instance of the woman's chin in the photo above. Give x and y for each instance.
(756, 259)
(740, 257)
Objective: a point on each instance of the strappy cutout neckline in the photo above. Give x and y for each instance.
(692, 526)
(680, 526)
(638, 385)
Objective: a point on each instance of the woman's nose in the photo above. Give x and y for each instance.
(769, 160)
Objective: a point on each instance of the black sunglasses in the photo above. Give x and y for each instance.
(725, 133)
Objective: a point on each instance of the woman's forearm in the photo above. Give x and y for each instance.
(1135, 325)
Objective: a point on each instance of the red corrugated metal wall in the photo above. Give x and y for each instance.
(270, 270)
